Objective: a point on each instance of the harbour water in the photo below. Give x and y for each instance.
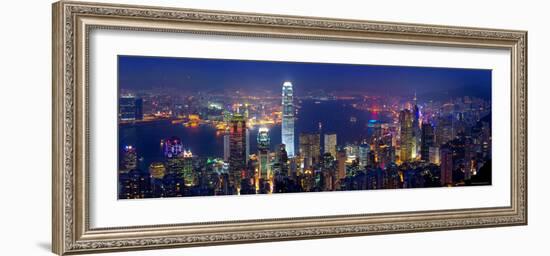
(335, 116)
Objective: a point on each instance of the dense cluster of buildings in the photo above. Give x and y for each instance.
(432, 145)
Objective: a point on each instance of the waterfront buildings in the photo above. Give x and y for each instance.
(455, 146)
(130, 108)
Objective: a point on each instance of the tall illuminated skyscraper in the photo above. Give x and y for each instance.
(416, 128)
(310, 148)
(188, 173)
(446, 166)
(237, 148)
(406, 122)
(288, 118)
(330, 144)
(226, 147)
(363, 155)
(263, 153)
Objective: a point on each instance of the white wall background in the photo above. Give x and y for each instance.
(25, 114)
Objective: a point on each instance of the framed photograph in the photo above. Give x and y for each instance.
(178, 127)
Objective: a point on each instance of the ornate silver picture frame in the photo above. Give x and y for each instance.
(72, 24)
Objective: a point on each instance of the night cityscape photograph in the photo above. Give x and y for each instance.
(211, 127)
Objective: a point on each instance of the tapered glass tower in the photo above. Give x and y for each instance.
(288, 118)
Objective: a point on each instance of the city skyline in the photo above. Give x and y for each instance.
(143, 73)
(310, 137)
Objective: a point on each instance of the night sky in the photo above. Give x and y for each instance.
(190, 74)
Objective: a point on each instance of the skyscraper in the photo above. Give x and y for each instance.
(434, 155)
(288, 118)
(263, 153)
(427, 141)
(189, 176)
(129, 160)
(341, 168)
(130, 108)
(330, 144)
(406, 122)
(173, 149)
(157, 170)
(416, 133)
(310, 148)
(237, 148)
(281, 160)
(226, 147)
(363, 155)
(446, 159)
(247, 143)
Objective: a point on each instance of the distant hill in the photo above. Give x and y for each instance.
(469, 90)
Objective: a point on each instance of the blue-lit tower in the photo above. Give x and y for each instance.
(288, 118)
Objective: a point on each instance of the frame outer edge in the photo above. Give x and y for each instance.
(525, 108)
(58, 242)
(64, 131)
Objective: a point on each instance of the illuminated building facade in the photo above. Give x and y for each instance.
(427, 141)
(130, 108)
(237, 148)
(263, 153)
(188, 174)
(364, 150)
(157, 170)
(330, 144)
(444, 130)
(434, 155)
(351, 152)
(406, 135)
(133, 185)
(129, 160)
(226, 147)
(341, 164)
(173, 149)
(287, 129)
(416, 132)
(310, 149)
(446, 165)
(281, 161)
(323, 138)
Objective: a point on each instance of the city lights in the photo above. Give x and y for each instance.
(291, 136)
